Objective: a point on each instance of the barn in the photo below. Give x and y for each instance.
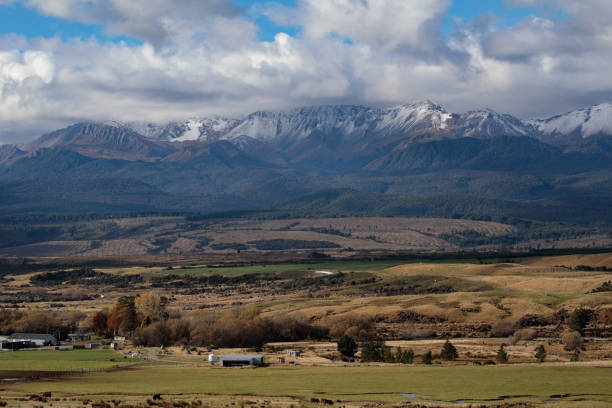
(240, 360)
(36, 339)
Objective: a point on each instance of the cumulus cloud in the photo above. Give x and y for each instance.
(203, 58)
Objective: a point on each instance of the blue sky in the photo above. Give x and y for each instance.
(16, 18)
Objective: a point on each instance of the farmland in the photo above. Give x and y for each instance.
(66, 361)
(351, 385)
(416, 304)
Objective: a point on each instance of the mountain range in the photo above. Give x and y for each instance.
(270, 158)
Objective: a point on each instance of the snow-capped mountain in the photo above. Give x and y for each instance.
(488, 123)
(345, 122)
(191, 129)
(581, 123)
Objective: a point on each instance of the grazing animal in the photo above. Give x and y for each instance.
(327, 402)
(315, 400)
(157, 397)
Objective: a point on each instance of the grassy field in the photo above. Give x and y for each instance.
(340, 266)
(51, 360)
(389, 384)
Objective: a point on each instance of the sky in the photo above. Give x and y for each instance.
(64, 61)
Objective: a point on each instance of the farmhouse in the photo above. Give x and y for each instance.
(36, 339)
(239, 360)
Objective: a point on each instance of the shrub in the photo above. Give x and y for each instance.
(503, 329)
(411, 333)
(575, 356)
(540, 353)
(572, 341)
(347, 346)
(449, 352)
(361, 328)
(428, 358)
(523, 334)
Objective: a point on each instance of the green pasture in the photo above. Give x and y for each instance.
(365, 383)
(55, 360)
(340, 266)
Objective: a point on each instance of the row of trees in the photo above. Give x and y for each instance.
(377, 352)
(373, 352)
(147, 321)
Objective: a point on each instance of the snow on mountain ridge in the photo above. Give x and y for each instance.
(583, 122)
(354, 122)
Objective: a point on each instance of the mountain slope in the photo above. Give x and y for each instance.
(582, 123)
(103, 141)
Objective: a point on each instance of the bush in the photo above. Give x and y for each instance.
(347, 346)
(540, 353)
(449, 352)
(503, 329)
(523, 334)
(360, 328)
(411, 333)
(428, 358)
(572, 341)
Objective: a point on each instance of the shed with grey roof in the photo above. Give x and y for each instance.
(240, 360)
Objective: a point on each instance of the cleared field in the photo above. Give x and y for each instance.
(373, 383)
(352, 266)
(51, 360)
(179, 236)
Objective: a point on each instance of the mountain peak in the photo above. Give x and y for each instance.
(577, 124)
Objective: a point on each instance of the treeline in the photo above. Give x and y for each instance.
(31, 321)
(145, 319)
(84, 276)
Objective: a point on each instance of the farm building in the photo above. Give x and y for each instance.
(78, 337)
(239, 360)
(294, 353)
(16, 345)
(36, 339)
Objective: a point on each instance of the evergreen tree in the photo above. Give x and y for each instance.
(580, 319)
(540, 353)
(502, 356)
(428, 358)
(347, 346)
(449, 352)
(387, 355)
(371, 353)
(405, 356)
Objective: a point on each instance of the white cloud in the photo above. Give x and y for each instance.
(202, 58)
(386, 24)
